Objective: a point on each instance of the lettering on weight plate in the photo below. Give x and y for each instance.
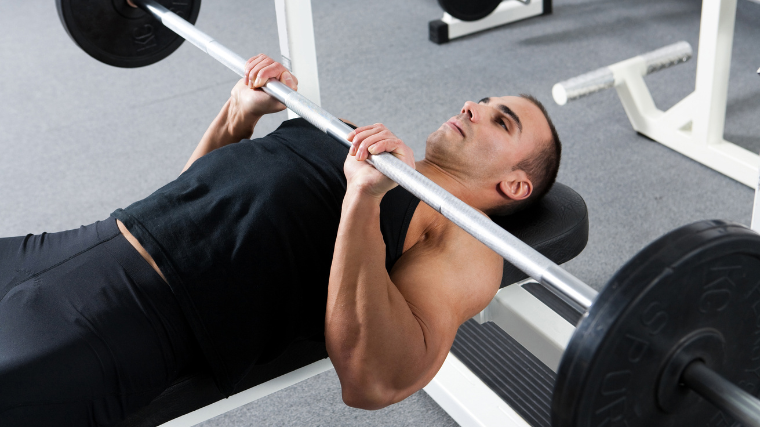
(722, 420)
(654, 318)
(638, 348)
(748, 386)
(756, 312)
(752, 375)
(754, 371)
(178, 7)
(613, 413)
(728, 267)
(615, 386)
(755, 354)
(752, 290)
(615, 383)
(717, 296)
(144, 37)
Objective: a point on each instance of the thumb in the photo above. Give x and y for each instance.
(289, 80)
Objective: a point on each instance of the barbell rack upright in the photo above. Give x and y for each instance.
(697, 376)
(479, 226)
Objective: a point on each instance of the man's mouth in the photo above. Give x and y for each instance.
(454, 125)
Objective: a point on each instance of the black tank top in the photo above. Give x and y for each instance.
(245, 238)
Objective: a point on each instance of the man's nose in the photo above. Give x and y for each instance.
(472, 110)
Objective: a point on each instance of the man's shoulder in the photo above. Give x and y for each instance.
(462, 272)
(444, 238)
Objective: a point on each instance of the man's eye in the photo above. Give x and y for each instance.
(504, 125)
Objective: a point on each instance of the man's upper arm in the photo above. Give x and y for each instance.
(446, 282)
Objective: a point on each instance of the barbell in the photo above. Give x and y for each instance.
(679, 321)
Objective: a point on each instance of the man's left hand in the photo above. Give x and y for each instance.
(247, 105)
(373, 139)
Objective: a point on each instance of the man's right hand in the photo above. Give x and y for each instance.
(245, 107)
(249, 102)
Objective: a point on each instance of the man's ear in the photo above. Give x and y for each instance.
(516, 185)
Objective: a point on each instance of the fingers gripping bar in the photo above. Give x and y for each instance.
(605, 77)
(492, 235)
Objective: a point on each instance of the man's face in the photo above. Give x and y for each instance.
(488, 138)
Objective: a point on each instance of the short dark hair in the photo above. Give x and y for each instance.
(541, 168)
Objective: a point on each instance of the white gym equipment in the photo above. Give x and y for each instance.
(694, 126)
(299, 53)
(755, 224)
(252, 394)
(449, 28)
(543, 332)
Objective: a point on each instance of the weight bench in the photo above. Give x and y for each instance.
(557, 227)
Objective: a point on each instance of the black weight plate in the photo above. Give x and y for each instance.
(117, 34)
(701, 278)
(469, 10)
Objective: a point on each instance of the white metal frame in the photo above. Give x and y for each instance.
(694, 126)
(529, 321)
(507, 11)
(297, 46)
(468, 400)
(250, 395)
(755, 222)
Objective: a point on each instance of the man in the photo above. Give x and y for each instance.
(258, 244)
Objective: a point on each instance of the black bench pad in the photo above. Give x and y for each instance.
(557, 227)
(195, 389)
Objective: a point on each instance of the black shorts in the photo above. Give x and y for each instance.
(89, 332)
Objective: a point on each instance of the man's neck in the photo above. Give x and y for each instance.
(426, 223)
(448, 181)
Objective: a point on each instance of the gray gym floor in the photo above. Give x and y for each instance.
(79, 139)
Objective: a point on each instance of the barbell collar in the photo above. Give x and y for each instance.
(471, 220)
(722, 393)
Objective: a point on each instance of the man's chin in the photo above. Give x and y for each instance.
(444, 134)
(446, 137)
(440, 145)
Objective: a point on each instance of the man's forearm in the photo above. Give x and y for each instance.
(373, 338)
(227, 128)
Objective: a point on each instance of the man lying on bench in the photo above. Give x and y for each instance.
(260, 243)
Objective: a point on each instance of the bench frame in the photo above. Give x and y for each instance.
(467, 399)
(250, 395)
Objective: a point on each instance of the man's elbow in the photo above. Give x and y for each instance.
(373, 390)
(368, 396)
